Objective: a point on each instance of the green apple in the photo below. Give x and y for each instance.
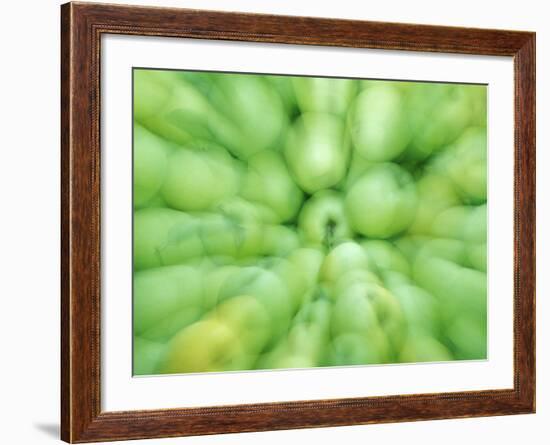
(378, 123)
(198, 179)
(300, 271)
(205, 346)
(147, 355)
(462, 291)
(164, 236)
(254, 111)
(270, 291)
(224, 236)
(181, 114)
(466, 164)
(324, 95)
(268, 183)
(436, 193)
(382, 203)
(475, 238)
(450, 222)
(165, 300)
(151, 93)
(357, 349)
(388, 311)
(341, 259)
(317, 151)
(213, 283)
(422, 348)
(279, 241)
(468, 336)
(385, 256)
(421, 309)
(322, 220)
(150, 164)
(438, 114)
(248, 318)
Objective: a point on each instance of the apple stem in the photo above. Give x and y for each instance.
(329, 233)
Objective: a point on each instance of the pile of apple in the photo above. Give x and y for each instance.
(294, 222)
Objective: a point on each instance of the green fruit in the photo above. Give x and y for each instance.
(165, 300)
(385, 256)
(206, 346)
(254, 112)
(248, 318)
(151, 93)
(299, 271)
(279, 241)
(378, 124)
(420, 348)
(147, 356)
(343, 258)
(223, 236)
(268, 288)
(466, 164)
(199, 179)
(323, 221)
(150, 163)
(382, 203)
(268, 183)
(324, 95)
(317, 151)
(163, 237)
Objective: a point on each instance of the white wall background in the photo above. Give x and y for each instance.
(29, 219)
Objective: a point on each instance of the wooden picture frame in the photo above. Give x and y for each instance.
(82, 25)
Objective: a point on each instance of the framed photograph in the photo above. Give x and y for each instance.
(274, 222)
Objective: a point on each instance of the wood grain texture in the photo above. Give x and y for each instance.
(81, 28)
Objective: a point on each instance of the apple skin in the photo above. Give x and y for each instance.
(205, 346)
(475, 238)
(179, 113)
(254, 110)
(324, 95)
(151, 93)
(223, 236)
(322, 220)
(147, 356)
(465, 163)
(267, 182)
(165, 300)
(150, 164)
(436, 193)
(438, 114)
(341, 259)
(317, 151)
(199, 178)
(422, 348)
(385, 256)
(463, 295)
(248, 318)
(300, 271)
(270, 291)
(279, 241)
(382, 203)
(378, 124)
(165, 237)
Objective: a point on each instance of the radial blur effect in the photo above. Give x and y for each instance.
(297, 222)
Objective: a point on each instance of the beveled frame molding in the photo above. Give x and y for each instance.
(82, 25)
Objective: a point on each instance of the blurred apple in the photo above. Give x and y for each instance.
(268, 182)
(323, 221)
(378, 123)
(317, 151)
(382, 203)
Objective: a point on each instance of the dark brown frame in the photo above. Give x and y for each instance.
(82, 25)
